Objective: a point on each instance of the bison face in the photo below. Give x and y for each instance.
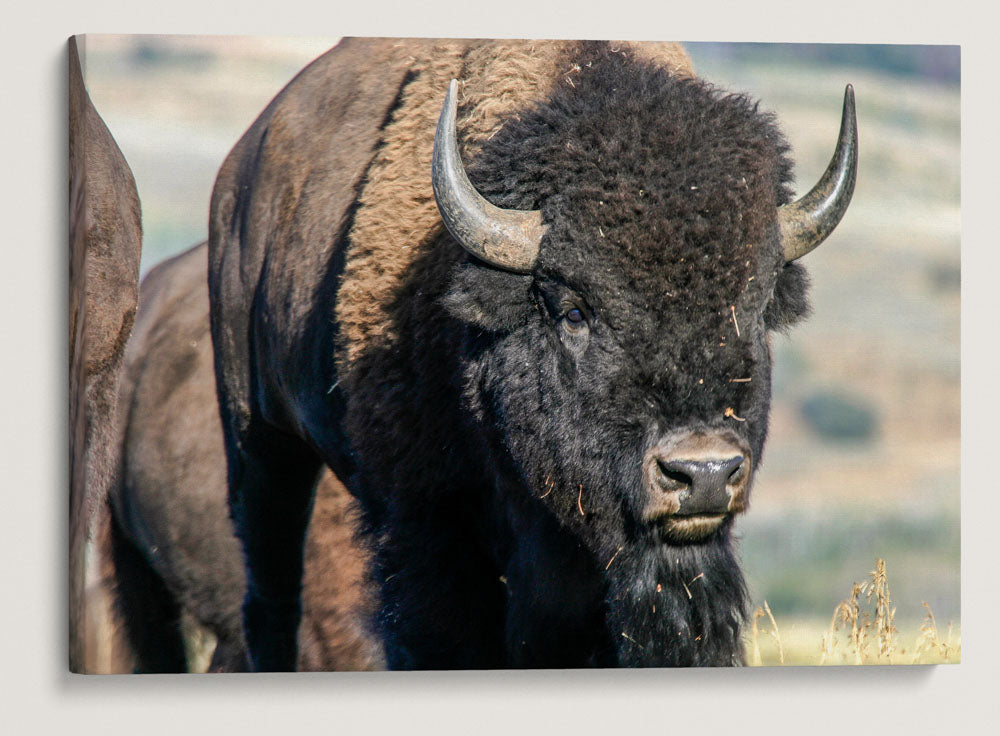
(625, 375)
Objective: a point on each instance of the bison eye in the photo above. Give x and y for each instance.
(574, 328)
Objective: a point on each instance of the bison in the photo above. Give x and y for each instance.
(524, 316)
(168, 545)
(105, 240)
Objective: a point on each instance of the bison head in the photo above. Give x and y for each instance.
(634, 246)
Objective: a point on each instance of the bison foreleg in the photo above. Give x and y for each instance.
(229, 656)
(272, 485)
(555, 612)
(442, 600)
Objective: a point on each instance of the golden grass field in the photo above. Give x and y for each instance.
(862, 630)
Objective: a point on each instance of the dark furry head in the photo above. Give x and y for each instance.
(647, 313)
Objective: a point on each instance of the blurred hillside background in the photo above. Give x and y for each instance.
(863, 456)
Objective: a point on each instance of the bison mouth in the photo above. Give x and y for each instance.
(679, 529)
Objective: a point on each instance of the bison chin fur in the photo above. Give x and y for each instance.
(646, 604)
(678, 606)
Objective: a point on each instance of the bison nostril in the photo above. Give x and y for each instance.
(672, 478)
(737, 473)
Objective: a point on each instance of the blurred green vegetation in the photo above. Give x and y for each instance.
(803, 562)
(838, 416)
(934, 63)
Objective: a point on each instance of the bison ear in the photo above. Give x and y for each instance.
(498, 301)
(790, 301)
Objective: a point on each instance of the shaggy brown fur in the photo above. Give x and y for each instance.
(105, 241)
(171, 544)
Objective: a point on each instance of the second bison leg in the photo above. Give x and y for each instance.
(149, 611)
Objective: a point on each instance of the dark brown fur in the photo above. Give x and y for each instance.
(171, 545)
(105, 241)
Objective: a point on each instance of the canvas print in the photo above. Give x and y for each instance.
(486, 354)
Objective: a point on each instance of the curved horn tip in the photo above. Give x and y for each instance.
(808, 221)
(849, 108)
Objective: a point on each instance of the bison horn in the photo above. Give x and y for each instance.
(807, 222)
(508, 239)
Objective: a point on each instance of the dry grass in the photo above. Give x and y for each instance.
(930, 646)
(772, 632)
(862, 631)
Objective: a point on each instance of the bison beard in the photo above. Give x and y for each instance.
(677, 606)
